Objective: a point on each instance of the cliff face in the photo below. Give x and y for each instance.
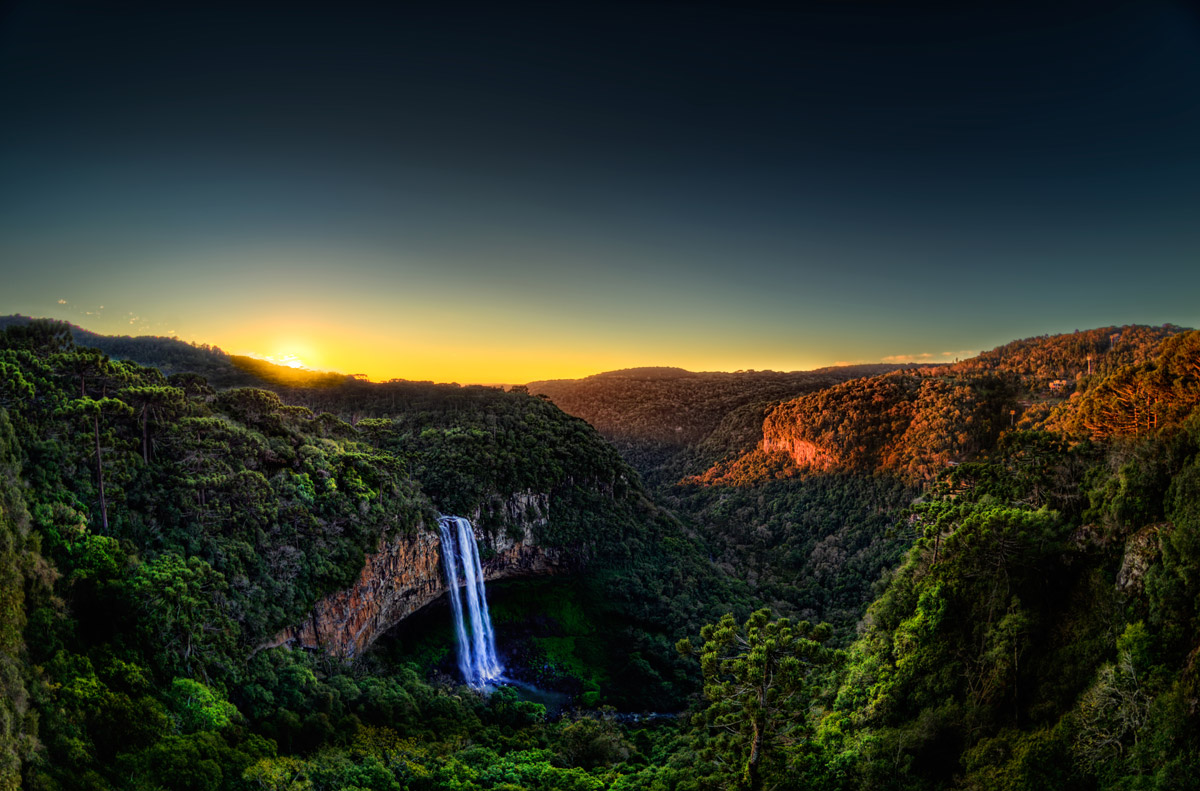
(803, 452)
(405, 574)
(1142, 550)
(781, 434)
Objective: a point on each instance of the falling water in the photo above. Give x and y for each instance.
(477, 653)
(451, 567)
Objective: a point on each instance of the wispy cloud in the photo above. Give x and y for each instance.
(62, 302)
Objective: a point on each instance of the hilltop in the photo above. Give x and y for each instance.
(658, 417)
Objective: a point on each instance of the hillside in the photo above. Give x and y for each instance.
(1038, 362)
(172, 356)
(916, 423)
(806, 520)
(654, 415)
(179, 527)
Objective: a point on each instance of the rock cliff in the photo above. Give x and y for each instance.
(405, 574)
(781, 434)
(804, 453)
(1142, 550)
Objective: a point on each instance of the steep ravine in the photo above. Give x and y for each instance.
(405, 574)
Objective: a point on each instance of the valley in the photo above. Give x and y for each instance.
(974, 575)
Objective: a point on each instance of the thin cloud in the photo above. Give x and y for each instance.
(908, 358)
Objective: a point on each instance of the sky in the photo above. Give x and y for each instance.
(503, 192)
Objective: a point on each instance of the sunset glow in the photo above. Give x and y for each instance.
(469, 217)
(286, 360)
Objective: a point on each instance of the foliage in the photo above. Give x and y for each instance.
(758, 679)
(1038, 632)
(19, 561)
(655, 415)
(1041, 360)
(1139, 399)
(189, 524)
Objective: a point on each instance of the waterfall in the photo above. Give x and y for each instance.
(477, 652)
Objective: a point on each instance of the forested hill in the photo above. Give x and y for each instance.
(1041, 633)
(653, 414)
(154, 531)
(287, 499)
(171, 356)
(676, 407)
(1044, 359)
(918, 422)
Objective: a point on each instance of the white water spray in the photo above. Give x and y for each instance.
(477, 652)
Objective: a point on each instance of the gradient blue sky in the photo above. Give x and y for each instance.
(506, 192)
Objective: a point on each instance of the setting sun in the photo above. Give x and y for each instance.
(286, 360)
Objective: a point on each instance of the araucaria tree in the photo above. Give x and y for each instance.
(759, 679)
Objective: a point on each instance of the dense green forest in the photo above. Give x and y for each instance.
(995, 584)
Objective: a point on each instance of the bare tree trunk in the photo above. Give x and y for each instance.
(100, 474)
(751, 777)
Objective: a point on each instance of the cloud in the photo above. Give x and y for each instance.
(908, 358)
(62, 302)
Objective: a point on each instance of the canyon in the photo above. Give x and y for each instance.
(405, 574)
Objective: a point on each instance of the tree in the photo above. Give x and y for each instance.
(758, 680)
(153, 400)
(199, 708)
(82, 364)
(91, 410)
(183, 613)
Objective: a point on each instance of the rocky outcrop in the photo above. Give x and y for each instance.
(1142, 550)
(405, 574)
(781, 437)
(804, 453)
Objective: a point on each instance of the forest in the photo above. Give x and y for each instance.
(958, 577)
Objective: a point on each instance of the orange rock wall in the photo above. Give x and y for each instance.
(780, 436)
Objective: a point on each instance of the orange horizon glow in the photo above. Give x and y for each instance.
(380, 358)
(457, 367)
(474, 347)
